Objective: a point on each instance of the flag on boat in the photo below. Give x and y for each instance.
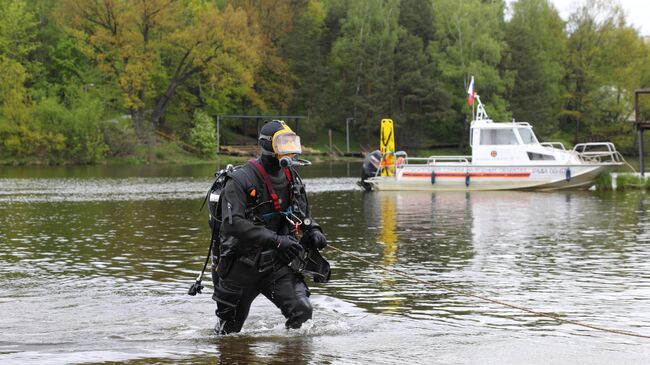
(470, 92)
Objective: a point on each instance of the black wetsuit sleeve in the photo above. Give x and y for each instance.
(235, 224)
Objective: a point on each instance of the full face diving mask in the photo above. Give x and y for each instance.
(285, 142)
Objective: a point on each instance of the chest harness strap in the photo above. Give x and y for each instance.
(269, 186)
(287, 214)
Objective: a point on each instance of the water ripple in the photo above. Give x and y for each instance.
(88, 265)
(130, 189)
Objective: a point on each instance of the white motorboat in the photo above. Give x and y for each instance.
(504, 156)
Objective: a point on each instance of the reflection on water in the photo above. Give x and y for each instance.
(388, 239)
(250, 350)
(95, 269)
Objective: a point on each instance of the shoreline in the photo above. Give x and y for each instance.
(184, 160)
(161, 154)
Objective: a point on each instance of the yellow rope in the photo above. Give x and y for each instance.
(482, 297)
(628, 165)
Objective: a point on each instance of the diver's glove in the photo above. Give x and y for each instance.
(288, 247)
(315, 239)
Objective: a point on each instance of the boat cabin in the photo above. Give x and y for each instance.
(499, 143)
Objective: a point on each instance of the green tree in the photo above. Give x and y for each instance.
(78, 122)
(470, 42)
(19, 134)
(213, 53)
(18, 27)
(203, 134)
(17, 42)
(14, 98)
(416, 16)
(607, 61)
(536, 47)
(150, 48)
(61, 64)
(306, 57)
(363, 57)
(273, 79)
(422, 106)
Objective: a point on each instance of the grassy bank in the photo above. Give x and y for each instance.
(168, 153)
(162, 153)
(622, 182)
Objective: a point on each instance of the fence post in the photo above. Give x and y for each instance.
(329, 133)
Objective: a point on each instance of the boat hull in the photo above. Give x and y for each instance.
(489, 177)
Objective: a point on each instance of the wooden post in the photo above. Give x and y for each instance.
(641, 152)
(640, 126)
(347, 134)
(329, 133)
(637, 119)
(218, 131)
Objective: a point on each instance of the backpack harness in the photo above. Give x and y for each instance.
(288, 213)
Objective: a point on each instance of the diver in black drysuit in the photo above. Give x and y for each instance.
(258, 242)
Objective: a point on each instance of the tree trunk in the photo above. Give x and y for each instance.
(162, 103)
(137, 117)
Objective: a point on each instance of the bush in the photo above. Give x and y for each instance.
(79, 124)
(119, 137)
(604, 181)
(23, 141)
(629, 181)
(203, 135)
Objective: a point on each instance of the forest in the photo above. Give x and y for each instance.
(84, 81)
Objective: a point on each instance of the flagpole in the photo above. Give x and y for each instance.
(473, 116)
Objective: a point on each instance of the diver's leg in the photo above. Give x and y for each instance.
(233, 304)
(234, 295)
(291, 295)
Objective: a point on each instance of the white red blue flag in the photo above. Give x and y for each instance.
(470, 92)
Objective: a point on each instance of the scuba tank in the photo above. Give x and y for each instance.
(213, 198)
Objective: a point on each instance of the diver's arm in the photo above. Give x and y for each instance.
(235, 224)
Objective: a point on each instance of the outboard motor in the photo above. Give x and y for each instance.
(370, 166)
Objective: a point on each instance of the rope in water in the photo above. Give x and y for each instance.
(495, 301)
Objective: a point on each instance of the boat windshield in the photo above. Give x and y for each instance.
(527, 136)
(498, 137)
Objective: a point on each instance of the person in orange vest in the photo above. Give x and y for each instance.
(266, 226)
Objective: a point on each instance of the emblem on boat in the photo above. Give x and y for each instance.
(493, 153)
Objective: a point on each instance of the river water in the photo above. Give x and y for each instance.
(95, 263)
